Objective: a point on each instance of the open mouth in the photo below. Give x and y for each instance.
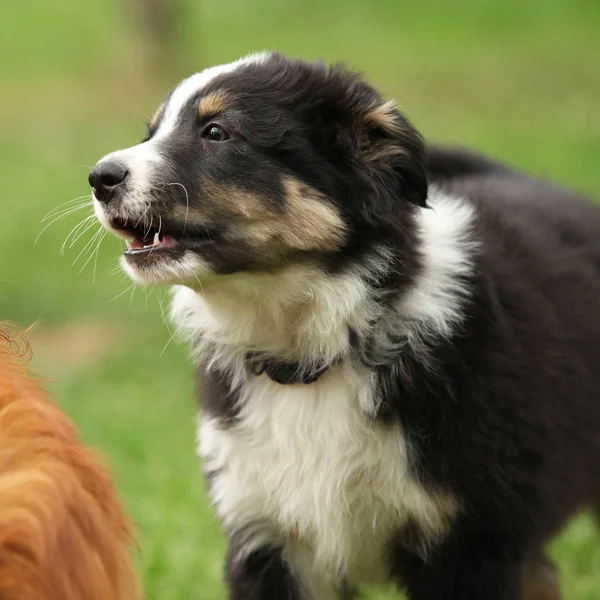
(143, 240)
(158, 242)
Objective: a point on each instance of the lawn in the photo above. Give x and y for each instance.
(518, 79)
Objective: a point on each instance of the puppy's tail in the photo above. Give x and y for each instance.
(447, 164)
(63, 534)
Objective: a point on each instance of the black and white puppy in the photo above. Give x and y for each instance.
(399, 348)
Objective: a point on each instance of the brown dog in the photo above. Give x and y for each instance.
(63, 533)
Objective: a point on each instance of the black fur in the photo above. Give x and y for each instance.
(262, 575)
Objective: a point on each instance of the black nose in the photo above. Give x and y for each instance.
(105, 178)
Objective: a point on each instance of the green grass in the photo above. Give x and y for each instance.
(518, 79)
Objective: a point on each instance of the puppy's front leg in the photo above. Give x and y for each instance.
(465, 571)
(260, 574)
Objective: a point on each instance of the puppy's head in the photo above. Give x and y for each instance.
(260, 164)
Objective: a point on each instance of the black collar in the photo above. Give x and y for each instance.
(289, 373)
(282, 372)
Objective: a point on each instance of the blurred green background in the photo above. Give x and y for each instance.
(517, 79)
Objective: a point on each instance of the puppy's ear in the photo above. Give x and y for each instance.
(392, 150)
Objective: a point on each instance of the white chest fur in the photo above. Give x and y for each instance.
(306, 469)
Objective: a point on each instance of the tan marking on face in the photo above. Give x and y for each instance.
(310, 221)
(307, 222)
(222, 202)
(212, 105)
(245, 205)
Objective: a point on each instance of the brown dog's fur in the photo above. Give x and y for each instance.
(63, 533)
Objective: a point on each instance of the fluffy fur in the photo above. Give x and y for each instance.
(63, 533)
(448, 304)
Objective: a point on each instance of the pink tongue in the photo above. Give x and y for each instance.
(137, 244)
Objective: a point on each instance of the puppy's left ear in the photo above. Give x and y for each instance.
(393, 151)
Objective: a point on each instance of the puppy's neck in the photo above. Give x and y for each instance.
(300, 314)
(304, 315)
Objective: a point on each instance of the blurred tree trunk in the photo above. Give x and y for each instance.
(158, 25)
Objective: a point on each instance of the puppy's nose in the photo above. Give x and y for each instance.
(105, 178)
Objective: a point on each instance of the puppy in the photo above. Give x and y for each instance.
(397, 346)
(63, 533)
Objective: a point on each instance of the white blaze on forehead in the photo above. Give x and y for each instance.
(192, 85)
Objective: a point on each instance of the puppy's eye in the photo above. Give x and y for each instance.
(215, 133)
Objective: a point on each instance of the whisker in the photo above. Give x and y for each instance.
(63, 205)
(88, 245)
(116, 271)
(122, 293)
(142, 215)
(96, 258)
(82, 232)
(149, 227)
(146, 294)
(166, 322)
(199, 282)
(133, 290)
(55, 213)
(94, 251)
(119, 273)
(187, 203)
(68, 212)
(70, 209)
(76, 230)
